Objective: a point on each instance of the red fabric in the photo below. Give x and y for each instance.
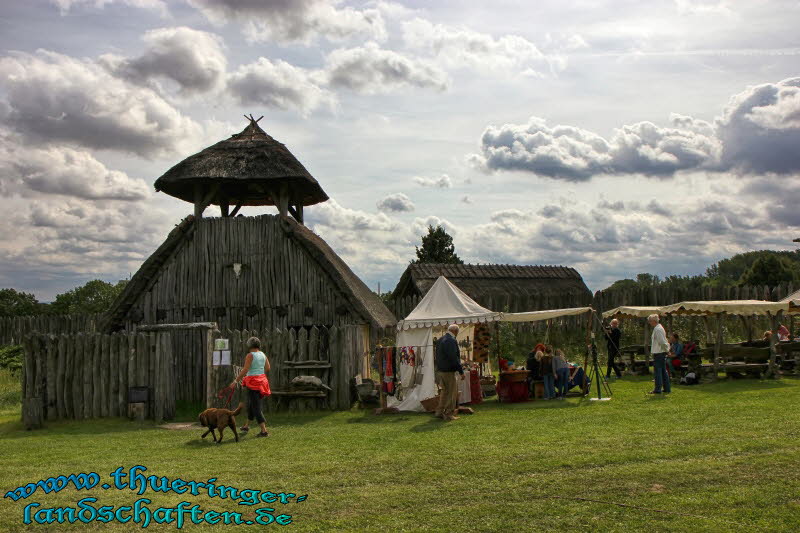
(503, 364)
(475, 392)
(259, 383)
(512, 391)
(676, 363)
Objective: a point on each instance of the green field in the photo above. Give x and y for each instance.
(718, 457)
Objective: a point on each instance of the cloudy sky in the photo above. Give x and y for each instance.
(614, 136)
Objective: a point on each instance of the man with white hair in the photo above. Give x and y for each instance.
(659, 347)
(613, 338)
(448, 364)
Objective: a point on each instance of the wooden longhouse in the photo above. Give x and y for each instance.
(515, 287)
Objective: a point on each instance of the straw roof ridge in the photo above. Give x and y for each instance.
(479, 280)
(355, 291)
(147, 273)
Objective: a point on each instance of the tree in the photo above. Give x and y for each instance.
(94, 297)
(437, 247)
(16, 303)
(770, 270)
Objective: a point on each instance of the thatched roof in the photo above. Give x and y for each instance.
(356, 291)
(248, 167)
(482, 280)
(359, 297)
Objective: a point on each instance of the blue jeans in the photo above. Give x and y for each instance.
(661, 375)
(563, 381)
(548, 386)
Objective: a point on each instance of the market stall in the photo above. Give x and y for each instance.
(512, 385)
(744, 308)
(632, 350)
(444, 304)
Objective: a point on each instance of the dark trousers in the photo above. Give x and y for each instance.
(612, 364)
(661, 374)
(254, 406)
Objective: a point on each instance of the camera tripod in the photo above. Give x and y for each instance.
(595, 376)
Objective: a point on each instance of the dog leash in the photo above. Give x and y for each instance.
(227, 391)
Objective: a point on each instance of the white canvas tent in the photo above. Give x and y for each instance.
(444, 304)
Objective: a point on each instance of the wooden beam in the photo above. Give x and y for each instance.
(198, 201)
(773, 342)
(717, 346)
(224, 206)
(297, 212)
(236, 210)
(174, 327)
(283, 200)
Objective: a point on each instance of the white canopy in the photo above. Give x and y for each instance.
(446, 304)
(629, 311)
(794, 298)
(536, 316)
(733, 307)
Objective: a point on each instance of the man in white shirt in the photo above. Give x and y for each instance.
(659, 347)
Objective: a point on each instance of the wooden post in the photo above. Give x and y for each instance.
(283, 200)
(198, 201)
(773, 341)
(717, 346)
(646, 347)
(224, 206)
(209, 341)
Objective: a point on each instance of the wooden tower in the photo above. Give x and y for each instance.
(249, 169)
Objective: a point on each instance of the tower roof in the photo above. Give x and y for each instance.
(249, 168)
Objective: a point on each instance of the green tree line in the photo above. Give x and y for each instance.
(95, 296)
(761, 267)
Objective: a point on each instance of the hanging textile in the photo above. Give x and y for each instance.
(481, 339)
(388, 372)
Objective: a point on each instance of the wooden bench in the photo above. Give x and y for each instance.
(280, 395)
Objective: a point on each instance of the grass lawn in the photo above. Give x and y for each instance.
(721, 457)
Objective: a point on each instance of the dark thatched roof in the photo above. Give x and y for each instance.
(483, 280)
(248, 167)
(359, 297)
(146, 275)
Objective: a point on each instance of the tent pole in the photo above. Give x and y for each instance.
(773, 340)
(717, 346)
(586, 354)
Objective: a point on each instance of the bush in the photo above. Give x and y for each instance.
(11, 359)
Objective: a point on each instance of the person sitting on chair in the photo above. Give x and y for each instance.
(532, 365)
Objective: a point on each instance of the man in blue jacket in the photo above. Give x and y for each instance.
(448, 364)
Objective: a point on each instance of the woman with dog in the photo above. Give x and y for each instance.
(254, 377)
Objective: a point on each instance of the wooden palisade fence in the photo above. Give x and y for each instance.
(88, 375)
(14, 328)
(332, 354)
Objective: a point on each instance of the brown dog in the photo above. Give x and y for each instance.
(218, 419)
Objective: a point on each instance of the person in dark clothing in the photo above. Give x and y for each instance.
(548, 374)
(448, 364)
(532, 366)
(613, 338)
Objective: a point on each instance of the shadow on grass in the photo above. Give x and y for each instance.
(92, 426)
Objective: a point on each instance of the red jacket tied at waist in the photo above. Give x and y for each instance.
(259, 383)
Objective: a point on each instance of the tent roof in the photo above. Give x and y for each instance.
(794, 297)
(536, 316)
(732, 307)
(630, 311)
(446, 304)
